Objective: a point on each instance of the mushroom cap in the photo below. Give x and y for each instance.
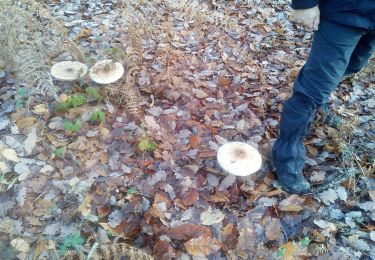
(68, 70)
(106, 72)
(239, 158)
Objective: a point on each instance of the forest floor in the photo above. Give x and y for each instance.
(144, 181)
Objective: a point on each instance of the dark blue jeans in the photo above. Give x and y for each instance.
(337, 50)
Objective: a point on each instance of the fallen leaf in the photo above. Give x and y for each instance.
(188, 231)
(21, 245)
(10, 154)
(194, 141)
(328, 197)
(289, 251)
(40, 109)
(228, 181)
(30, 141)
(190, 198)
(210, 216)
(293, 203)
(229, 236)
(272, 228)
(223, 81)
(26, 122)
(85, 207)
(202, 246)
(84, 33)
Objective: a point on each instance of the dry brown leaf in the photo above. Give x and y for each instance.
(30, 141)
(194, 141)
(85, 207)
(191, 197)
(188, 231)
(26, 122)
(272, 228)
(293, 203)
(229, 236)
(40, 109)
(217, 197)
(84, 33)
(202, 246)
(290, 250)
(223, 81)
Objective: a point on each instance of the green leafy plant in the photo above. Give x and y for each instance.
(73, 127)
(21, 97)
(281, 251)
(145, 145)
(98, 116)
(59, 151)
(73, 101)
(6, 184)
(305, 241)
(71, 241)
(93, 92)
(132, 191)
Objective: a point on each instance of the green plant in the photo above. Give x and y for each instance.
(21, 97)
(73, 101)
(281, 251)
(71, 241)
(6, 184)
(132, 191)
(69, 126)
(59, 151)
(145, 145)
(93, 92)
(98, 116)
(305, 241)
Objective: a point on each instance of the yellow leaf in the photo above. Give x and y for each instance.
(10, 154)
(202, 246)
(85, 207)
(290, 250)
(20, 245)
(40, 109)
(26, 122)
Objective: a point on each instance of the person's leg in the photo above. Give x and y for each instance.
(359, 59)
(362, 53)
(330, 53)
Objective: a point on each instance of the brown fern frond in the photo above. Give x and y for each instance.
(73, 255)
(30, 37)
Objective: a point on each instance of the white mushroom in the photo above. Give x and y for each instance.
(238, 158)
(106, 72)
(68, 70)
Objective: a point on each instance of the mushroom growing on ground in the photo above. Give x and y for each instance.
(106, 72)
(68, 70)
(238, 158)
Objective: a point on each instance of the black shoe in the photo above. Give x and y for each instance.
(293, 183)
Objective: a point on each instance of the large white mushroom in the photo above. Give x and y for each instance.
(68, 70)
(238, 158)
(106, 72)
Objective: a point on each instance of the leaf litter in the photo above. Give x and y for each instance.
(207, 73)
